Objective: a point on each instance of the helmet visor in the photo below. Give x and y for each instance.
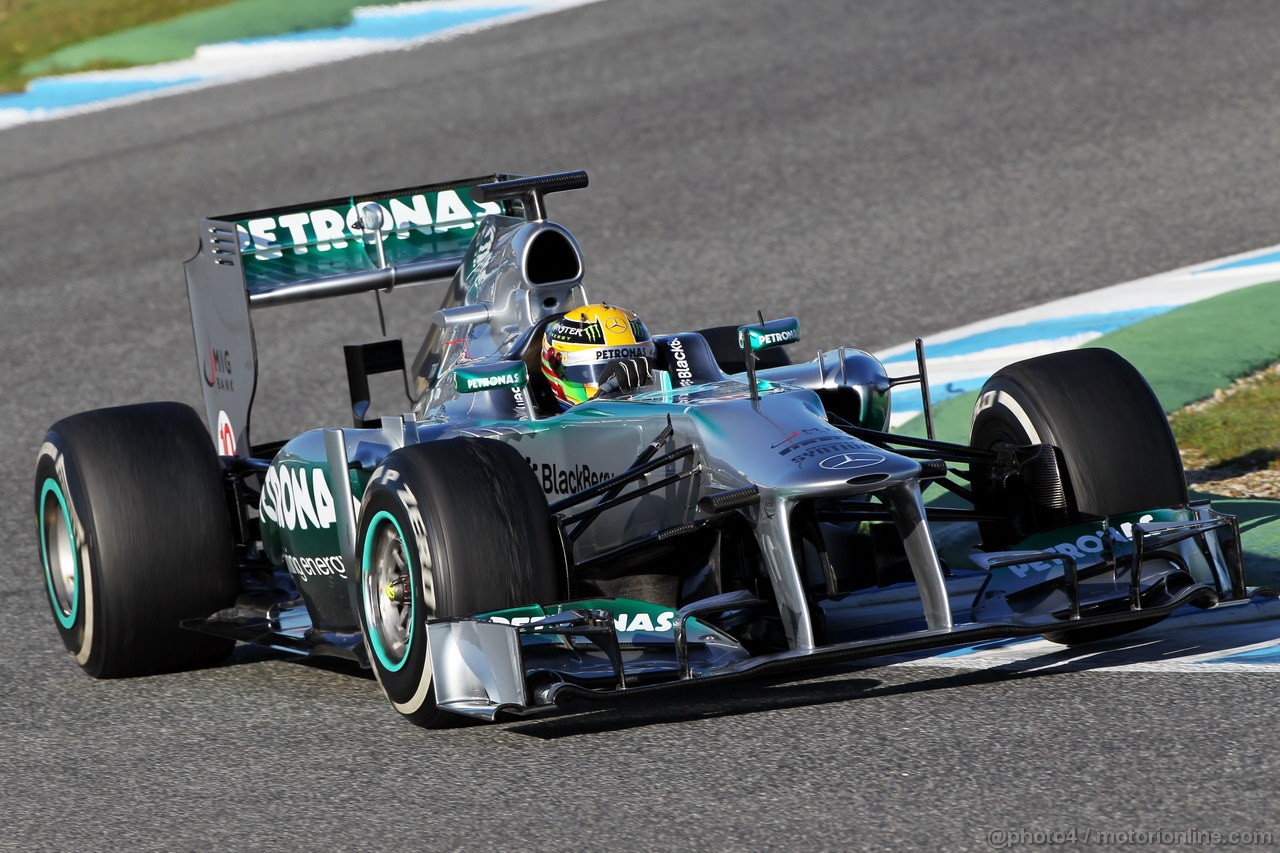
(581, 372)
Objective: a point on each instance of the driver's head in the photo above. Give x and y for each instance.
(576, 348)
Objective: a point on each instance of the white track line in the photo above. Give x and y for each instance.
(229, 62)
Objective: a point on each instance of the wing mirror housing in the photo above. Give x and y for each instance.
(761, 336)
(774, 333)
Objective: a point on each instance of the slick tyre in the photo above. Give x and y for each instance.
(723, 341)
(1117, 452)
(448, 528)
(134, 536)
(1116, 455)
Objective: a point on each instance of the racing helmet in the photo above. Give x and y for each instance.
(577, 348)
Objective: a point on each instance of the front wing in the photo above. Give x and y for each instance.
(485, 667)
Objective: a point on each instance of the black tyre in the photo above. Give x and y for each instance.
(1116, 452)
(134, 536)
(448, 528)
(723, 341)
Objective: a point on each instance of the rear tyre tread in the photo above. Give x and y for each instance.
(149, 538)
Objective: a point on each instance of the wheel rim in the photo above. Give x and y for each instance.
(385, 567)
(57, 549)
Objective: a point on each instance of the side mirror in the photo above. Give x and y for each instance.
(775, 333)
(761, 336)
(484, 377)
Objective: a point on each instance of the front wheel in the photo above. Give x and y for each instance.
(1115, 452)
(448, 528)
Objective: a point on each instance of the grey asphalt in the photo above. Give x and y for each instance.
(880, 169)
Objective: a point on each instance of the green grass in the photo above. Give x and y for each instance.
(39, 37)
(33, 29)
(1241, 429)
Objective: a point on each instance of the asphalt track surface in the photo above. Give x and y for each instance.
(880, 169)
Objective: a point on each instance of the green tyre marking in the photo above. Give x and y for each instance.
(375, 638)
(67, 618)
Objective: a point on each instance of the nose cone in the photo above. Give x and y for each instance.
(867, 466)
(842, 464)
(787, 447)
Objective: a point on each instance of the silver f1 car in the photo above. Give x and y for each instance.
(488, 553)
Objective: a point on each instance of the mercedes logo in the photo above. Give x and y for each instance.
(615, 325)
(849, 461)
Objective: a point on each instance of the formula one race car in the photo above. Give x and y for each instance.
(716, 512)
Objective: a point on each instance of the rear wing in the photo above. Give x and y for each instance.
(334, 247)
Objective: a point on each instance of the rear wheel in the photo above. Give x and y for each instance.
(449, 528)
(134, 537)
(1115, 451)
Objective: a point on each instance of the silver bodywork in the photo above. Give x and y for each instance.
(760, 449)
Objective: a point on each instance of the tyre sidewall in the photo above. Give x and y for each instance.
(392, 491)
(1007, 414)
(52, 467)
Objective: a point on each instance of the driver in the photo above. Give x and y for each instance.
(596, 349)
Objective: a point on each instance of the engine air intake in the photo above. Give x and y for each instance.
(551, 257)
